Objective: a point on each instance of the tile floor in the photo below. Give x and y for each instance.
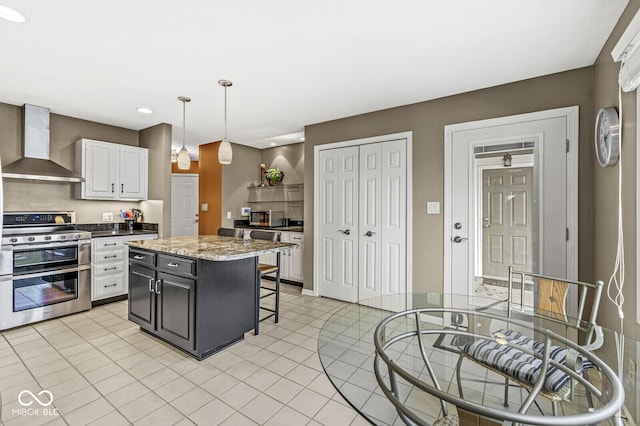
(102, 370)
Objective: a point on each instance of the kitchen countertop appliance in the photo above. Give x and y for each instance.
(45, 267)
(267, 218)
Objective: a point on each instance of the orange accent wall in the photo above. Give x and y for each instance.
(192, 170)
(210, 189)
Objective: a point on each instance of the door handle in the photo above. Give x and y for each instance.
(157, 284)
(151, 280)
(459, 239)
(112, 187)
(122, 188)
(173, 265)
(345, 232)
(485, 222)
(138, 257)
(369, 233)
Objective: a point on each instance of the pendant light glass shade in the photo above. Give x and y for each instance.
(225, 153)
(184, 159)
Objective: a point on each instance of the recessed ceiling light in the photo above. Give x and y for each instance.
(145, 110)
(11, 14)
(272, 144)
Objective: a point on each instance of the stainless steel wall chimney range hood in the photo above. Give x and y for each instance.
(35, 163)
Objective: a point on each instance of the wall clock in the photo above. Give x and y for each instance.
(607, 137)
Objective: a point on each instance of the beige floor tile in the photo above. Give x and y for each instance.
(243, 369)
(302, 375)
(92, 363)
(239, 395)
(263, 357)
(219, 384)
(284, 390)
(238, 419)
(114, 418)
(282, 366)
(154, 381)
(287, 417)
(323, 386)
(57, 377)
(88, 413)
(213, 413)
(262, 379)
(261, 408)
(192, 400)
(203, 373)
(335, 414)
(165, 415)
(298, 354)
(144, 369)
(127, 394)
(104, 372)
(138, 408)
(359, 421)
(75, 400)
(308, 402)
(175, 389)
(115, 382)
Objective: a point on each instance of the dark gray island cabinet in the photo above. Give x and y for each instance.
(179, 293)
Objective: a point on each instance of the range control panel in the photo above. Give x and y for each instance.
(14, 219)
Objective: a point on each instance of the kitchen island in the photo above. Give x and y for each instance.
(198, 293)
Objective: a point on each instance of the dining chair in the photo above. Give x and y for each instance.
(523, 367)
(262, 270)
(230, 232)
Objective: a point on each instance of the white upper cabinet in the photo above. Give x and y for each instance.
(111, 171)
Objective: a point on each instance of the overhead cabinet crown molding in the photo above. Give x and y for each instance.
(111, 171)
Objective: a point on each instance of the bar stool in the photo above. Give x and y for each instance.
(266, 269)
(230, 232)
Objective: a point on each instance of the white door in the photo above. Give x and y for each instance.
(507, 227)
(383, 185)
(554, 213)
(133, 173)
(338, 223)
(184, 205)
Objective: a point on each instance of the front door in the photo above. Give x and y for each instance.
(184, 205)
(507, 224)
(554, 215)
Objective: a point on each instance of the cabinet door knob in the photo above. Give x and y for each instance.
(369, 233)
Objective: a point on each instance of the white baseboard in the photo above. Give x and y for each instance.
(307, 292)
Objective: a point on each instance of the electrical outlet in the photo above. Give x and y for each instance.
(107, 217)
(632, 371)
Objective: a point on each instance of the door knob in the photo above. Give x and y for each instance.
(369, 233)
(345, 232)
(459, 239)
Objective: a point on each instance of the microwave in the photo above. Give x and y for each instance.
(267, 218)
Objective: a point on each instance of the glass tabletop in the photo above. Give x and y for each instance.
(347, 353)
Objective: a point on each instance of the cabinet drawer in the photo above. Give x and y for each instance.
(108, 286)
(176, 265)
(108, 256)
(142, 257)
(108, 269)
(107, 244)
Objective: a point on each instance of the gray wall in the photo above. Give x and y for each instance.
(23, 195)
(158, 209)
(606, 185)
(243, 171)
(289, 159)
(427, 120)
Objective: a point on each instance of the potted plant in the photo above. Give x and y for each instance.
(274, 176)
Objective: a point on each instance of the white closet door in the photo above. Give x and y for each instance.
(338, 227)
(394, 217)
(370, 237)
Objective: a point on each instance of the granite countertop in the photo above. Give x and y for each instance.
(212, 247)
(99, 230)
(275, 228)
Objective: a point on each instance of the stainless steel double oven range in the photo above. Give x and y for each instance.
(45, 267)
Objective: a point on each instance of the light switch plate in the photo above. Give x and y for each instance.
(228, 215)
(433, 207)
(205, 207)
(107, 217)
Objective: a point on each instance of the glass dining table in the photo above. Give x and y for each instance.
(422, 380)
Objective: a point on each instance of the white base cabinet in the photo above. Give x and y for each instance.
(111, 171)
(291, 262)
(110, 265)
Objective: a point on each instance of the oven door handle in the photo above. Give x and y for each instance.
(49, 245)
(55, 272)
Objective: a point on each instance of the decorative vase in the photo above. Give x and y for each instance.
(274, 176)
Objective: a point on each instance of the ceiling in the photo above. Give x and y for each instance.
(292, 62)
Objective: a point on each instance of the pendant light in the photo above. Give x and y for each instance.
(184, 160)
(225, 154)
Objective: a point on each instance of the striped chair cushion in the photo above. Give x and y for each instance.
(517, 364)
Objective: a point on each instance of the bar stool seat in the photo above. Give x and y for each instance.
(262, 270)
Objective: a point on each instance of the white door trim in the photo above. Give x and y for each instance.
(571, 115)
(316, 198)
